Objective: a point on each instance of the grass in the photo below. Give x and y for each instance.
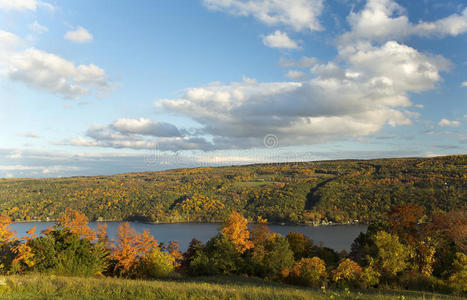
(57, 287)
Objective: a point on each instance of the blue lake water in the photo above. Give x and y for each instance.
(337, 237)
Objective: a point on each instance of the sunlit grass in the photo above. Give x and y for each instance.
(57, 287)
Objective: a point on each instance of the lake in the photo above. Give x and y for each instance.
(337, 237)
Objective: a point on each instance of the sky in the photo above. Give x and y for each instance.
(103, 87)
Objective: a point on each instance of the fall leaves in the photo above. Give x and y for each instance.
(235, 229)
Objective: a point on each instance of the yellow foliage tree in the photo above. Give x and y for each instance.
(235, 229)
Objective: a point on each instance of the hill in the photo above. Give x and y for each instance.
(311, 192)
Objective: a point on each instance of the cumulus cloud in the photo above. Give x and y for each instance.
(445, 122)
(464, 84)
(140, 134)
(80, 35)
(36, 27)
(296, 14)
(304, 62)
(8, 42)
(21, 5)
(146, 127)
(296, 75)
(381, 20)
(357, 97)
(280, 39)
(50, 72)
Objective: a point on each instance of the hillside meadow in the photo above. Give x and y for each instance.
(222, 287)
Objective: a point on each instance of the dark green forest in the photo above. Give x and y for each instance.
(311, 192)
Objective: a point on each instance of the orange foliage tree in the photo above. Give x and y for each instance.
(131, 248)
(7, 235)
(235, 229)
(24, 256)
(77, 223)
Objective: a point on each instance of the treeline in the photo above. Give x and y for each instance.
(402, 252)
(311, 192)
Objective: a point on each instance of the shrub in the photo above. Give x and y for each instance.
(347, 273)
(309, 272)
(369, 276)
(156, 264)
(270, 257)
(458, 278)
(62, 252)
(300, 245)
(219, 256)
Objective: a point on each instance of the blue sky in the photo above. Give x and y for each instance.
(101, 87)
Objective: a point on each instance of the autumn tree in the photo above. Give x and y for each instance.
(76, 223)
(404, 220)
(24, 258)
(300, 244)
(7, 235)
(392, 256)
(347, 273)
(309, 272)
(131, 248)
(235, 229)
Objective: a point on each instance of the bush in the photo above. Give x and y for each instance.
(369, 276)
(300, 245)
(62, 252)
(270, 257)
(458, 279)
(347, 273)
(156, 264)
(219, 256)
(309, 272)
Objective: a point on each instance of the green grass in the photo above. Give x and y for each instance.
(57, 287)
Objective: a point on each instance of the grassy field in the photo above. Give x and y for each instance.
(56, 287)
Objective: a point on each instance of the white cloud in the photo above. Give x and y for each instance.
(52, 73)
(464, 84)
(146, 127)
(296, 75)
(297, 14)
(21, 5)
(80, 35)
(280, 39)
(8, 42)
(140, 134)
(358, 96)
(36, 27)
(15, 155)
(381, 20)
(446, 122)
(304, 62)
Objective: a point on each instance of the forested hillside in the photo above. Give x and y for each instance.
(312, 192)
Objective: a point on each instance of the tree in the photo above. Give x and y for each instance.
(300, 244)
(404, 220)
(392, 256)
(270, 256)
(7, 236)
(309, 272)
(235, 229)
(156, 264)
(458, 278)
(347, 273)
(76, 223)
(24, 258)
(130, 249)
